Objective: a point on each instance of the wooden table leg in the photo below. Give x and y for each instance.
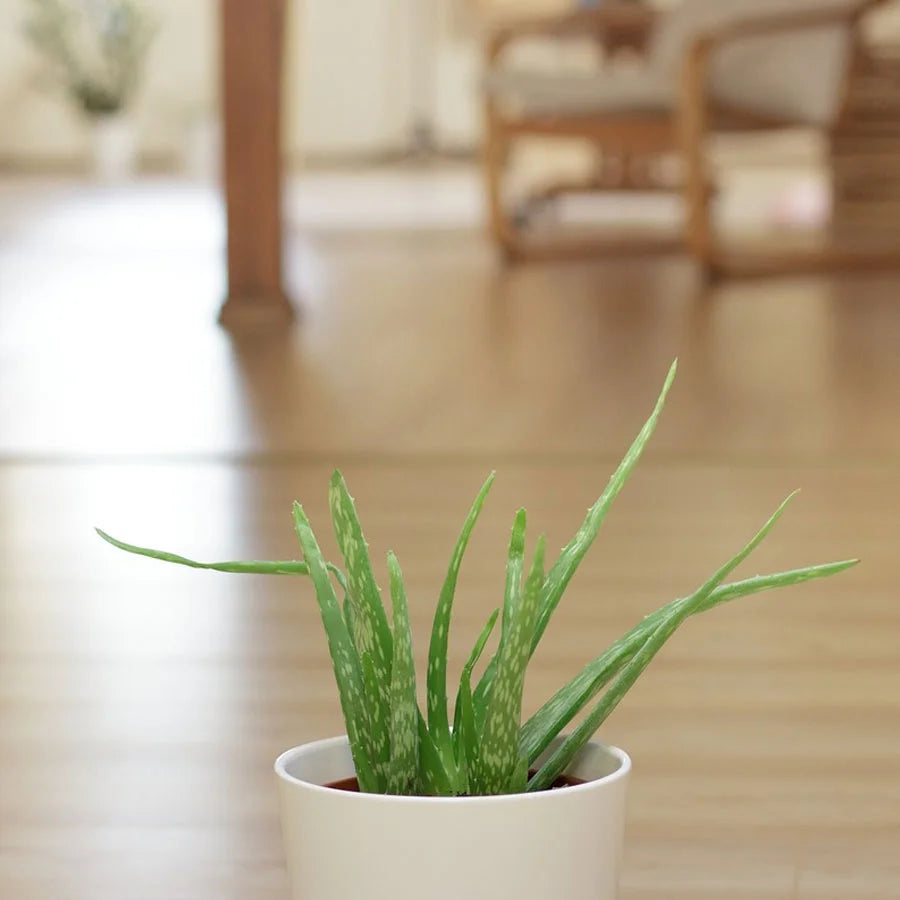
(252, 50)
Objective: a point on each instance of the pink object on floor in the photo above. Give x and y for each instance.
(804, 205)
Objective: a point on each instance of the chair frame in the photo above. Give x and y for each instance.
(684, 130)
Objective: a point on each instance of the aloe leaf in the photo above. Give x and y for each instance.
(239, 567)
(564, 568)
(378, 711)
(344, 658)
(500, 737)
(347, 605)
(434, 779)
(760, 583)
(556, 765)
(371, 632)
(514, 568)
(438, 722)
(482, 693)
(404, 713)
(540, 730)
(563, 756)
(518, 783)
(465, 737)
(574, 552)
(480, 644)
(466, 679)
(248, 567)
(340, 578)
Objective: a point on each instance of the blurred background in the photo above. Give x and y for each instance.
(242, 243)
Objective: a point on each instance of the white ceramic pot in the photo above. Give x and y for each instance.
(551, 845)
(114, 143)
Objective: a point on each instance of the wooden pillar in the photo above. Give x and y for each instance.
(252, 51)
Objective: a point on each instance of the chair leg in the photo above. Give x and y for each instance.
(698, 196)
(694, 127)
(496, 151)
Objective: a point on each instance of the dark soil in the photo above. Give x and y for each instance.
(352, 785)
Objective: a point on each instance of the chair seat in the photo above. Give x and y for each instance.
(537, 94)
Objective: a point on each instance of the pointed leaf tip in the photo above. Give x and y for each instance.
(438, 721)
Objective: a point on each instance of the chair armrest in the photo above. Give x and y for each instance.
(773, 23)
(610, 17)
(695, 69)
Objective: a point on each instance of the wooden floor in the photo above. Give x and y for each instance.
(141, 706)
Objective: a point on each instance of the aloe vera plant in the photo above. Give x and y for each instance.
(398, 749)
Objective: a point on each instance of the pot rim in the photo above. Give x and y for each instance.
(325, 744)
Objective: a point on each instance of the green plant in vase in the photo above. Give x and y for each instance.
(94, 52)
(399, 749)
(94, 49)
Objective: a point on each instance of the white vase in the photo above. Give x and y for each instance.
(548, 845)
(114, 144)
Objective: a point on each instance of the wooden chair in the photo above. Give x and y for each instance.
(711, 66)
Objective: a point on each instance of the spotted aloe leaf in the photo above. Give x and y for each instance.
(245, 567)
(676, 615)
(344, 658)
(438, 722)
(465, 737)
(238, 567)
(482, 692)
(403, 771)
(515, 564)
(540, 730)
(346, 605)
(234, 567)
(499, 751)
(434, 778)
(371, 632)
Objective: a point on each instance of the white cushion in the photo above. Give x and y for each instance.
(795, 75)
(539, 94)
(800, 80)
